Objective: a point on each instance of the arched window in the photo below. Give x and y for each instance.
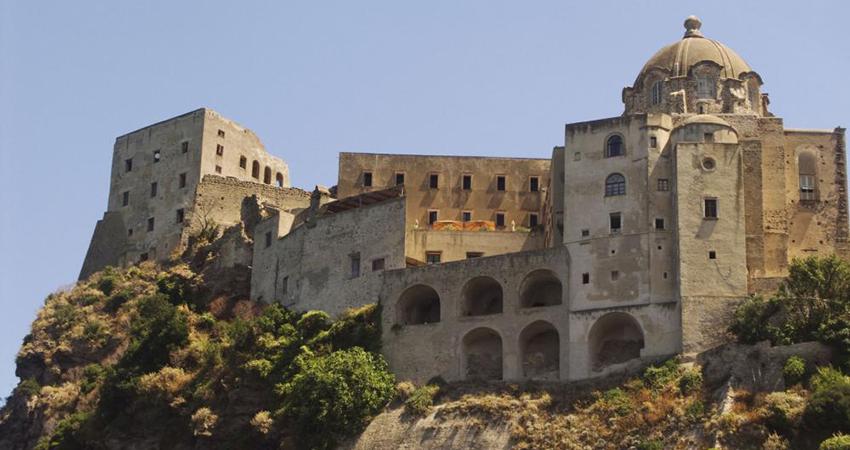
(615, 338)
(615, 184)
(540, 288)
(482, 296)
(267, 175)
(278, 179)
(614, 146)
(419, 304)
(655, 93)
(255, 169)
(807, 168)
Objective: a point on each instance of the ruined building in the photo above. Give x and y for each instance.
(635, 240)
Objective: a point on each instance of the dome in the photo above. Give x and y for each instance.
(677, 58)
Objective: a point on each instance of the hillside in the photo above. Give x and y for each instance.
(177, 357)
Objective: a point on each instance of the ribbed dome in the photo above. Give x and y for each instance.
(680, 56)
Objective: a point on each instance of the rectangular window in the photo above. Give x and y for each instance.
(157, 155)
(219, 149)
(184, 147)
(615, 275)
(221, 133)
(432, 217)
(466, 182)
(500, 183)
(712, 254)
(653, 142)
(500, 219)
(470, 255)
(532, 220)
(129, 232)
(154, 187)
(577, 156)
(434, 181)
(663, 184)
(367, 179)
(284, 285)
(268, 239)
(433, 257)
(150, 224)
(217, 169)
(378, 264)
(125, 198)
(585, 278)
(180, 215)
(616, 222)
(807, 187)
(182, 182)
(710, 209)
(399, 178)
(128, 165)
(466, 216)
(585, 232)
(534, 184)
(243, 162)
(354, 260)
(659, 223)
(706, 87)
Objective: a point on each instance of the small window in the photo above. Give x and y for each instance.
(125, 198)
(221, 133)
(129, 232)
(434, 181)
(615, 221)
(659, 223)
(577, 156)
(710, 209)
(399, 178)
(182, 181)
(585, 232)
(471, 255)
(255, 169)
(219, 150)
(154, 187)
(534, 184)
(157, 155)
(180, 215)
(663, 184)
(664, 275)
(268, 239)
(615, 185)
(432, 217)
(128, 165)
(278, 180)
(466, 216)
(655, 93)
(585, 278)
(150, 223)
(367, 179)
(378, 264)
(614, 146)
(500, 219)
(712, 254)
(184, 147)
(653, 142)
(217, 169)
(354, 262)
(284, 285)
(615, 275)
(807, 187)
(706, 87)
(433, 257)
(500, 182)
(267, 175)
(466, 183)
(533, 220)
(243, 162)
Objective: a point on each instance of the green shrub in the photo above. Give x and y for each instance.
(65, 435)
(650, 444)
(690, 381)
(92, 375)
(751, 321)
(794, 370)
(421, 399)
(65, 315)
(829, 404)
(658, 377)
(695, 411)
(783, 410)
(359, 327)
(118, 299)
(333, 396)
(312, 323)
(178, 285)
(107, 283)
(29, 387)
(837, 442)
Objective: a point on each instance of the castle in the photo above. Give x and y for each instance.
(634, 241)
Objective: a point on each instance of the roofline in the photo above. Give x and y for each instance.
(416, 155)
(809, 130)
(163, 121)
(603, 120)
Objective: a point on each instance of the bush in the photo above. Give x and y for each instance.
(262, 422)
(695, 410)
(312, 323)
(650, 444)
(29, 387)
(118, 299)
(404, 390)
(333, 396)
(616, 401)
(783, 410)
(658, 377)
(794, 370)
(65, 435)
(422, 399)
(203, 421)
(92, 375)
(751, 321)
(107, 283)
(829, 405)
(837, 442)
(775, 442)
(691, 381)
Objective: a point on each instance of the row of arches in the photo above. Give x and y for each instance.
(614, 338)
(482, 295)
(267, 173)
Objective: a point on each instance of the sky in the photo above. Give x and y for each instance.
(315, 78)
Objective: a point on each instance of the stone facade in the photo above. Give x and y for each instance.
(634, 241)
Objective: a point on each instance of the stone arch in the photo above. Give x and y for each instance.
(255, 169)
(278, 180)
(482, 354)
(482, 296)
(614, 338)
(540, 287)
(540, 351)
(267, 175)
(418, 304)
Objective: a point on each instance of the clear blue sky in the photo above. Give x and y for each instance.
(316, 78)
